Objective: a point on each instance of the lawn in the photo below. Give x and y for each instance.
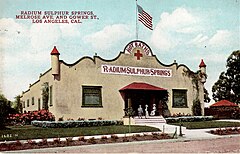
(31, 132)
(208, 124)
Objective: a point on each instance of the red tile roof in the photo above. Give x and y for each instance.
(141, 86)
(55, 51)
(202, 64)
(224, 103)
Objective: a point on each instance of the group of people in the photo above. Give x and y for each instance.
(140, 111)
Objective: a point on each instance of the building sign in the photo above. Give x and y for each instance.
(139, 71)
(138, 45)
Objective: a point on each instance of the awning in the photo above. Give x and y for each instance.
(224, 103)
(141, 86)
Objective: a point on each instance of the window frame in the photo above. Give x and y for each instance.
(39, 104)
(32, 100)
(27, 102)
(173, 98)
(23, 104)
(50, 95)
(99, 93)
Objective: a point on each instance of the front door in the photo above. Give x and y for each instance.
(143, 98)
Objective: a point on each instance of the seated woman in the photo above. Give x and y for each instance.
(153, 111)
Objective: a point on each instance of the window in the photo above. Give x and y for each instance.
(50, 96)
(39, 104)
(28, 103)
(179, 98)
(91, 96)
(23, 104)
(32, 100)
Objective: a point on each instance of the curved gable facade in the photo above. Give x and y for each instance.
(89, 88)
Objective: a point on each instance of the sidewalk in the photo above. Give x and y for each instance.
(191, 134)
(194, 141)
(188, 134)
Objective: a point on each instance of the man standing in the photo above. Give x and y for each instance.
(140, 112)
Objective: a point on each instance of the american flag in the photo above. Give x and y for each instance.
(144, 17)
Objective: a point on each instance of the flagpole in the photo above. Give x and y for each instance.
(136, 21)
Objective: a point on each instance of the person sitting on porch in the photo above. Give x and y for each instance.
(154, 110)
(140, 112)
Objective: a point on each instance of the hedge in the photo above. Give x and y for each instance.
(71, 124)
(188, 119)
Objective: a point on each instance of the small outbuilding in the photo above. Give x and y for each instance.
(223, 109)
(223, 103)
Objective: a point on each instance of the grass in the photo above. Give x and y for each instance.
(208, 124)
(31, 132)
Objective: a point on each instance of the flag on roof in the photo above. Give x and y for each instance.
(144, 17)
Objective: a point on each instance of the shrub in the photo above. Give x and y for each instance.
(81, 119)
(164, 135)
(125, 139)
(100, 118)
(60, 119)
(44, 141)
(188, 119)
(69, 139)
(27, 118)
(32, 142)
(3, 145)
(155, 134)
(56, 141)
(134, 137)
(70, 119)
(81, 138)
(92, 140)
(18, 143)
(71, 124)
(236, 129)
(103, 138)
(180, 115)
(114, 137)
(144, 134)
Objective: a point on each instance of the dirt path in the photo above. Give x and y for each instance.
(221, 145)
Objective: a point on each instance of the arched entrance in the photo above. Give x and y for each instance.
(138, 93)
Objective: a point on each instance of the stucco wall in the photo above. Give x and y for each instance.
(35, 90)
(67, 89)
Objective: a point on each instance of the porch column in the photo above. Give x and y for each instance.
(129, 102)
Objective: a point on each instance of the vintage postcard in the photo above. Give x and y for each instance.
(110, 62)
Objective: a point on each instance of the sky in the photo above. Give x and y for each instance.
(183, 30)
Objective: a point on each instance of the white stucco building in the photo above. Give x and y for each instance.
(94, 87)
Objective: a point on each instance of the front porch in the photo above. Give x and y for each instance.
(150, 98)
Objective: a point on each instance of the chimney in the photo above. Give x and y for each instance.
(202, 67)
(55, 61)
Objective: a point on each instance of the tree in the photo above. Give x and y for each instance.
(196, 108)
(45, 95)
(206, 96)
(233, 72)
(18, 104)
(228, 85)
(5, 109)
(130, 113)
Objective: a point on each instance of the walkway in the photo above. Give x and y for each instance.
(195, 140)
(190, 134)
